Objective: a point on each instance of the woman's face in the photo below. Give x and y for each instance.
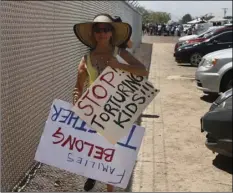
(102, 33)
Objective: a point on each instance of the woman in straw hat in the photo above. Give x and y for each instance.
(103, 36)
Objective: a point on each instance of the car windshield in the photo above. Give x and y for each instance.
(212, 33)
(209, 34)
(205, 33)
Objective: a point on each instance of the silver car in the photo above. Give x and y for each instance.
(214, 73)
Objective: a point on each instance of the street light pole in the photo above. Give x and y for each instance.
(225, 11)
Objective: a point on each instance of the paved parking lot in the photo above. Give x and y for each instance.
(173, 156)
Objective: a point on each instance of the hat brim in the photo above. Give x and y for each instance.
(83, 31)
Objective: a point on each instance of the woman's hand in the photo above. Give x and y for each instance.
(76, 95)
(75, 99)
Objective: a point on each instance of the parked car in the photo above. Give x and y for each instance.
(218, 125)
(193, 53)
(189, 37)
(214, 73)
(186, 27)
(202, 27)
(228, 24)
(212, 31)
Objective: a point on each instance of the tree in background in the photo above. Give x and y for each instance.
(160, 17)
(145, 14)
(149, 16)
(186, 18)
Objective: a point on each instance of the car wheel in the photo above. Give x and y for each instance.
(195, 59)
(227, 82)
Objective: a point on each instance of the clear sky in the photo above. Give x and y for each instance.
(195, 8)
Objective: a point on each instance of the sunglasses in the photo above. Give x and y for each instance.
(99, 30)
(104, 29)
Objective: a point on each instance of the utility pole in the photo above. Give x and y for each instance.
(225, 11)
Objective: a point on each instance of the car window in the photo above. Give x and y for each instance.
(204, 34)
(221, 30)
(225, 37)
(209, 34)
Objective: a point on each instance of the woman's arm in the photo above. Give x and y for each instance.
(81, 78)
(135, 66)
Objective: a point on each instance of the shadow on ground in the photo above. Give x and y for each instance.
(149, 116)
(186, 65)
(223, 163)
(209, 98)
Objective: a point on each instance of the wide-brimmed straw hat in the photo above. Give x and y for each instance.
(121, 34)
(128, 43)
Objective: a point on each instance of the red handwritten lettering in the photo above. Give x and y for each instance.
(58, 134)
(104, 78)
(77, 147)
(69, 140)
(99, 153)
(86, 96)
(96, 94)
(109, 155)
(93, 150)
(84, 107)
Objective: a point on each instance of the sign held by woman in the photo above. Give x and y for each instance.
(68, 143)
(114, 101)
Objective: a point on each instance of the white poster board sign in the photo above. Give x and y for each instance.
(67, 143)
(114, 102)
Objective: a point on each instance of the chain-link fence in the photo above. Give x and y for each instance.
(39, 58)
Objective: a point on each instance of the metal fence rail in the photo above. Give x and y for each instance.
(39, 58)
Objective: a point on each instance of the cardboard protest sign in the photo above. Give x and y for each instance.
(69, 144)
(114, 102)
